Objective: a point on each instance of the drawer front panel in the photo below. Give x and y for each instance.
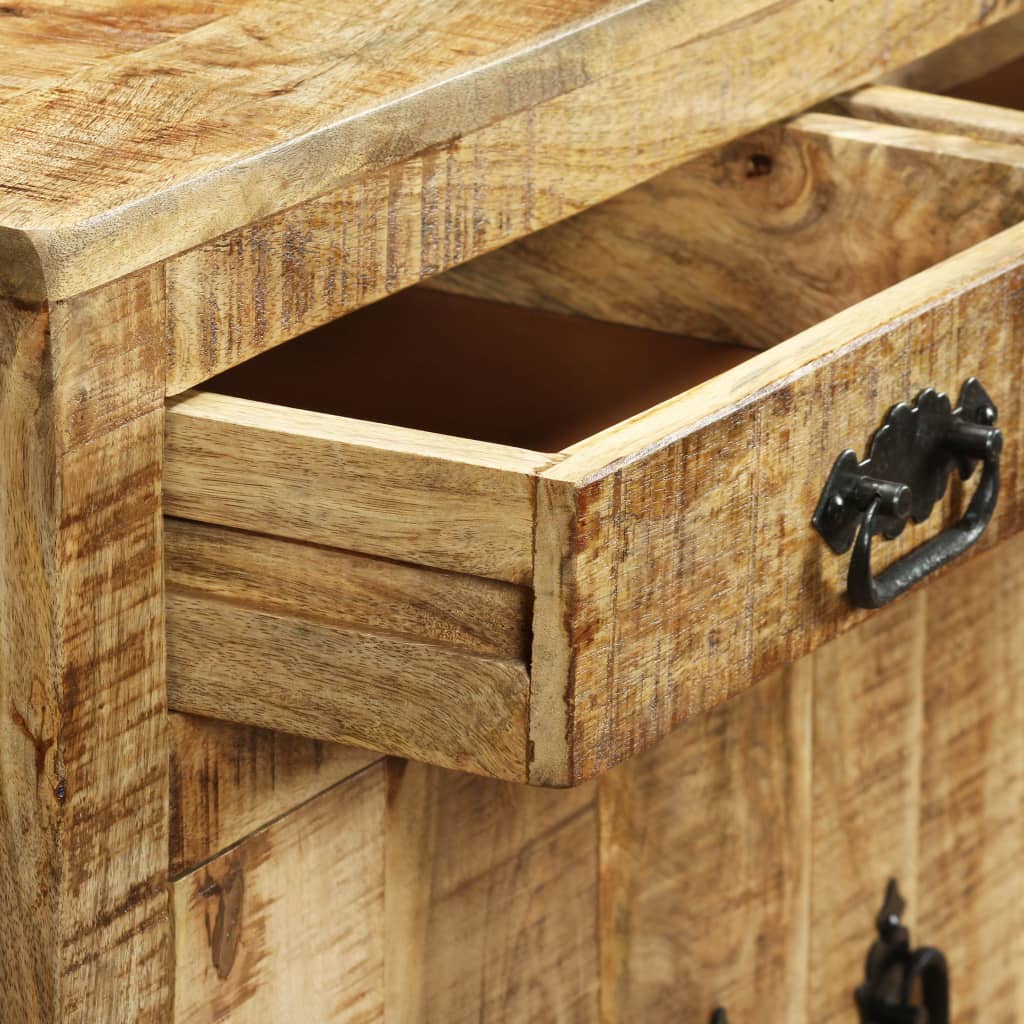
(694, 565)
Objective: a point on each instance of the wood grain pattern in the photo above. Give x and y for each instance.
(270, 105)
(894, 105)
(743, 859)
(970, 888)
(47, 41)
(380, 490)
(619, 545)
(291, 920)
(83, 752)
(706, 869)
(766, 236)
(962, 60)
(868, 733)
(491, 897)
(343, 589)
(228, 781)
(400, 696)
(641, 555)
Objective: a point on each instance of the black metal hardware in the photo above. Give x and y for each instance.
(906, 472)
(719, 1017)
(896, 976)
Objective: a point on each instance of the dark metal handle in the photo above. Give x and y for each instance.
(894, 974)
(912, 456)
(869, 591)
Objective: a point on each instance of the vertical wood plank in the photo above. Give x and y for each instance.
(970, 893)
(229, 780)
(704, 865)
(83, 754)
(491, 900)
(288, 924)
(866, 778)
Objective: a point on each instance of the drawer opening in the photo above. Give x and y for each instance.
(483, 370)
(1000, 87)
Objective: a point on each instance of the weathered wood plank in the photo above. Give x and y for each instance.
(227, 781)
(270, 105)
(867, 733)
(379, 490)
(963, 60)
(83, 751)
(970, 891)
(491, 896)
(749, 452)
(706, 868)
(291, 921)
(766, 236)
(46, 41)
(893, 105)
(342, 589)
(296, 675)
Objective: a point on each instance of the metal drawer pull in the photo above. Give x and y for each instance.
(895, 974)
(906, 472)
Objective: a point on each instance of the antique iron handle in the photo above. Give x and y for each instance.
(895, 975)
(906, 472)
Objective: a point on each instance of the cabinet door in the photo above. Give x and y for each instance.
(743, 860)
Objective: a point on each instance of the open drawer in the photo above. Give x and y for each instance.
(528, 527)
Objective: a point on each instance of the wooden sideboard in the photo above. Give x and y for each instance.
(425, 580)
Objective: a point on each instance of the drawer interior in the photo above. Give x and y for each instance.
(1000, 87)
(571, 331)
(478, 369)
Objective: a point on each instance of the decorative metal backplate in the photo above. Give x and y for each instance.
(914, 452)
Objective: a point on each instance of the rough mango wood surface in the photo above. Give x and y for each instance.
(309, 157)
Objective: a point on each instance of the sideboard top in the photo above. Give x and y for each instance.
(130, 132)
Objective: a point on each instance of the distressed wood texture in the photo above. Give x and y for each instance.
(744, 859)
(289, 924)
(712, 494)
(227, 781)
(270, 105)
(963, 60)
(623, 533)
(380, 490)
(390, 693)
(766, 236)
(893, 105)
(83, 753)
(492, 901)
(970, 891)
(706, 868)
(868, 736)
(342, 589)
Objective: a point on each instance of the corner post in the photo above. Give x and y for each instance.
(84, 921)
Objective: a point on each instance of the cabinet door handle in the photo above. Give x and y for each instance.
(894, 973)
(906, 472)
(901, 985)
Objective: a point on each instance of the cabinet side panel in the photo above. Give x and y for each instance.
(83, 753)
